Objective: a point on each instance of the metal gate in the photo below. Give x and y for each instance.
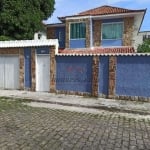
(9, 72)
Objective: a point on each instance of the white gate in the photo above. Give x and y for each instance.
(9, 72)
(43, 73)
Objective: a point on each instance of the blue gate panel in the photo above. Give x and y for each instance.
(103, 75)
(74, 74)
(27, 61)
(42, 50)
(133, 76)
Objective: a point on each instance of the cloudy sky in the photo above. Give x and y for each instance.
(71, 7)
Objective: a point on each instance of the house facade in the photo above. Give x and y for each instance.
(105, 26)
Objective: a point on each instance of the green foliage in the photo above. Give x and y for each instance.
(20, 19)
(4, 38)
(144, 47)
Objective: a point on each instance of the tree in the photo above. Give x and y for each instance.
(144, 47)
(20, 19)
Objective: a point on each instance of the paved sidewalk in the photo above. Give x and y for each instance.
(142, 108)
(30, 128)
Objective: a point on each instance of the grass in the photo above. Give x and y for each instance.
(11, 103)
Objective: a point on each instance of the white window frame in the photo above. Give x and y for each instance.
(112, 23)
(70, 30)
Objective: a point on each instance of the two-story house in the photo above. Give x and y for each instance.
(101, 27)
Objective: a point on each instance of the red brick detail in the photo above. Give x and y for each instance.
(112, 76)
(98, 50)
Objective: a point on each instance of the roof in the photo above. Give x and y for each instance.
(105, 10)
(96, 51)
(28, 43)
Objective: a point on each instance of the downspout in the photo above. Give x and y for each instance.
(91, 33)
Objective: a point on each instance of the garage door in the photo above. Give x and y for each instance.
(43, 73)
(9, 72)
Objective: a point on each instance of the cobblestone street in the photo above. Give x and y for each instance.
(27, 128)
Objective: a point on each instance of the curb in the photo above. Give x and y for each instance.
(111, 108)
(103, 107)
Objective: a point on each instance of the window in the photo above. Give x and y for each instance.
(112, 31)
(77, 30)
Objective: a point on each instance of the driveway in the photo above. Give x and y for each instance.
(27, 128)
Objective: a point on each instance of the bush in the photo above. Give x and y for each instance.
(144, 47)
(4, 38)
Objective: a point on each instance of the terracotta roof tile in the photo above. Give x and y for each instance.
(97, 50)
(105, 10)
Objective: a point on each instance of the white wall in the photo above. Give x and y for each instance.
(40, 36)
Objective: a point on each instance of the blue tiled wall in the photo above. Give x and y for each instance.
(103, 75)
(77, 43)
(107, 43)
(133, 76)
(74, 74)
(60, 35)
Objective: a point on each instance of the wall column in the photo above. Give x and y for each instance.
(33, 70)
(112, 76)
(95, 72)
(52, 70)
(21, 69)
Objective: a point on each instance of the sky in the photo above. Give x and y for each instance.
(71, 7)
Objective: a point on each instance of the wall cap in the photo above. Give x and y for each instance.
(30, 43)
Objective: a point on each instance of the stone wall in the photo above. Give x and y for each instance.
(128, 31)
(9, 51)
(96, 33)
(50, 32)
(87, 22)
(21, 70)
(33, 70)
(95, 74)
(52, 70)
(112, 76)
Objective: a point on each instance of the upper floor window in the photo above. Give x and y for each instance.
(77, 30)
(112, 31)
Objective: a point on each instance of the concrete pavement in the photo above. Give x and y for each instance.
(61, 100)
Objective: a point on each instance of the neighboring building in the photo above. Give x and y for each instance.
(141, 37)
(105, 26)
